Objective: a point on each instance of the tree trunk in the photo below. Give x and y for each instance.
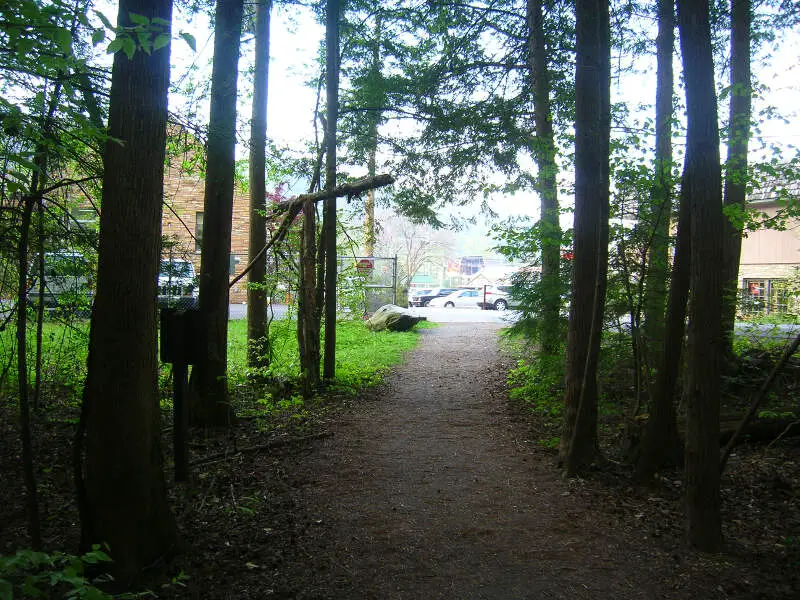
(373, 118)
(660, 207)
(661, 444)
(329, 206)
(126, 501)
(545, 156)
(31, 493)
(257, 339)
(308, 331)
(209, 381)
(736, 167)
(592, 131)
(704, 348)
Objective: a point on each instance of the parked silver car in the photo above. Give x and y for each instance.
(496, 297)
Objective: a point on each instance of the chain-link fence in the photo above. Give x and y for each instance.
(367, 282)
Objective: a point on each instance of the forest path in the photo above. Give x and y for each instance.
(430, 490)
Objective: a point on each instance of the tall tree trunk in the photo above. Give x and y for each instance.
(704, 348)
(592, 131)
(209, 381)
(329, 207)
(659, 208)
(736, 166)
(661, 444)
(126, 501)
(37, 388)
(31, 493)
(257, 339)
(373, 118)
(545, 156)
(308, 331)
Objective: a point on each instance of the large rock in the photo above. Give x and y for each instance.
(393, 318)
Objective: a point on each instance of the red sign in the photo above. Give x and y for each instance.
(365, 265)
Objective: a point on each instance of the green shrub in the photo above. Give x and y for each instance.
(539, 384)
(33, 574)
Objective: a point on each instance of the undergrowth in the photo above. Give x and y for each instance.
(363, 358)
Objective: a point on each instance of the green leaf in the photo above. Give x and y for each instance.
(6, 591)
(189, 39)
(128, 47)
(143, 37)
(160, 21)
(139, 19)
(63, 39)
(115, 46)
(98, 36)
(24, 47)
(161, 40)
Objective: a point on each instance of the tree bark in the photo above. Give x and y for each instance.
(661, 444)
(210, 405)
(257, 340)
(373, 118)
(31, 492)
(126, 502)
(704, 348)
(545, 156)
(578, 447)
(308, 331)
(736, 166)
(329, 206)
(659, 208)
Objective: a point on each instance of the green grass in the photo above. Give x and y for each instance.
(362, 357)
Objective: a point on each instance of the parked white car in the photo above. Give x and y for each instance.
(457, 299)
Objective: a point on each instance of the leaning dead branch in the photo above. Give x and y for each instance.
(292, 208)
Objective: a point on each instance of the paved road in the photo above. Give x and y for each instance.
(435, 315)
(475, 315)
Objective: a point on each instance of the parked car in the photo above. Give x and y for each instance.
(496, 297)
(458, 299)
(177, 284)
(425, 299)
(68, 282)
(414, 292)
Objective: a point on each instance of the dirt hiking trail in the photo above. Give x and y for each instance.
(431, 490)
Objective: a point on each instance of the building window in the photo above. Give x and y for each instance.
(764, 296)
(198, 231)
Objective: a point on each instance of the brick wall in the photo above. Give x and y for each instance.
(183, 199)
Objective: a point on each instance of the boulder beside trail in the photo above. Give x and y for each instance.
(393, 318)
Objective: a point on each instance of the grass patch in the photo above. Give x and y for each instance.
(363, 357)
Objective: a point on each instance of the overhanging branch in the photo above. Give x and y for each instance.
(348, 189)
(293, 206)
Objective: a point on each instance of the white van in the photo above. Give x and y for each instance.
(68, 282)
(177, 284)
